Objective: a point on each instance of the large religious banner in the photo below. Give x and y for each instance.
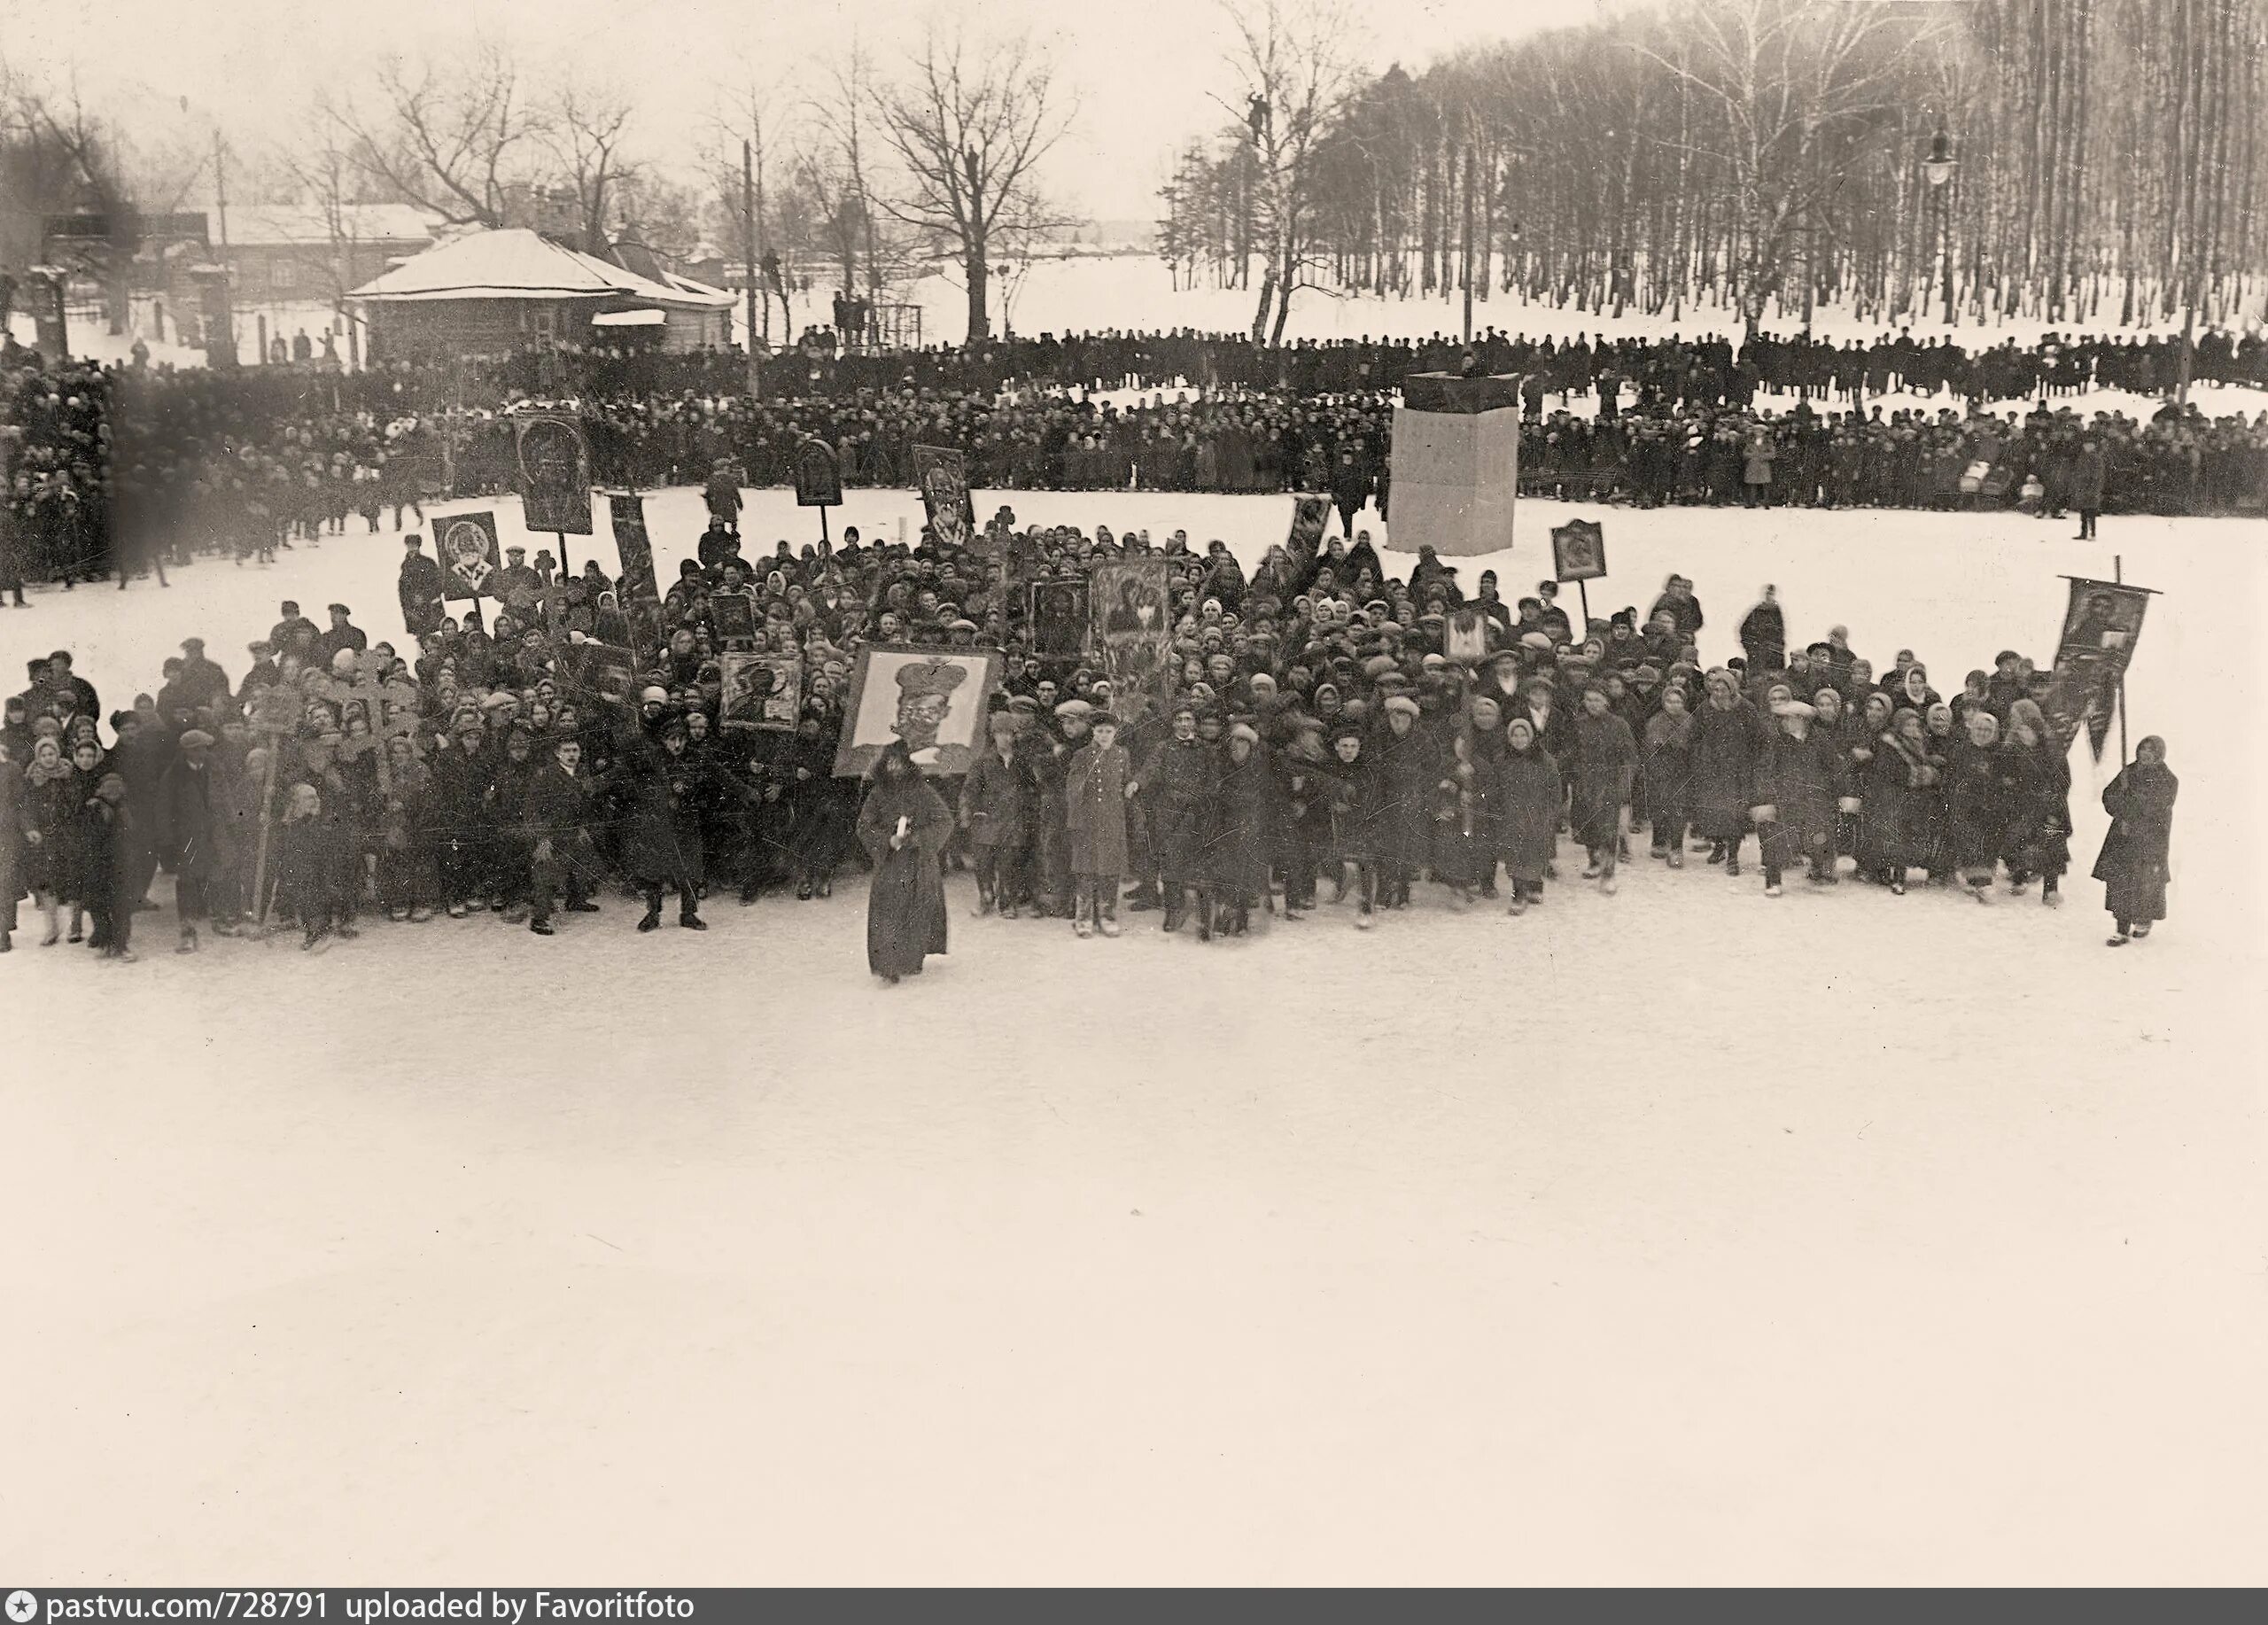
(935, 700)
(943, 475)
(759, 691)
(627, 512)
(470, 559)
(554, 472)
(1059, 620)
(1456, 463)
(2102, 625)
(1133, 622)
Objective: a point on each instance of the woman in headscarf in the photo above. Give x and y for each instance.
(1669, 778)
(1527, 798)
(1605, 762)
(1977, 806)
(2132, 863)
(2037, 781)
(904, 825)
(1898, 803)
(409, 872)
(52, 799)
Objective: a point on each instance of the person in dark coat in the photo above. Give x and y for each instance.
(1976, 824)
(994, 797)
(190, 811)
(1180, 782)
(1764, 634)
(422, 606)
(663, 845)
(109, 844)
(1095, 796)
(556, 818)
(1727, 743)
(2087, 486)
(2134, 862)
(1798, 778)
(2037, 781)
(1242, 828)
(1669, 775)
(12, 785)
(1309, 785)
(1527, 797)
(904, 825)
(1404, 767)
(1605, 765)
(50, 829)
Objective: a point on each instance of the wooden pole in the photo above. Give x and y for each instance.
(2118, 577)
(1583, 593)
(823, 538)
(748, 243)
(566, 569)
(259, 852)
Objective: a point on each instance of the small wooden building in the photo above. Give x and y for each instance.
(497, 292)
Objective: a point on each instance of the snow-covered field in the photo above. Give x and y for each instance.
(1682, 1235)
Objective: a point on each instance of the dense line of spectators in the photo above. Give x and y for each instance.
(108, 468)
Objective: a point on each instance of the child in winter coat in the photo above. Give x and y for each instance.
(1527, 797)
(1310, 787)
(1669, 775)
(1094, 799)
(1606, 760)
(309, 868)
(1357, 809)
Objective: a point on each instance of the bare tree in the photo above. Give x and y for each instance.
(1294, 62)
(587, 130)
(1797, 89)
(450, 141)
(969, 126)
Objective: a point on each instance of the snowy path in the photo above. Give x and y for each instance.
(1682, 1235)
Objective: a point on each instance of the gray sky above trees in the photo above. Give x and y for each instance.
(1143, 73)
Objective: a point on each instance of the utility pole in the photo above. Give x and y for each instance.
(748, 233)
(229, 302)
(1468, 247)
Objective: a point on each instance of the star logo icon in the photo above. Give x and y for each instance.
(23, 1607)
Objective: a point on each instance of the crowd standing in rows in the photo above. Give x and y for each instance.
(1311, 732)
(111, 467)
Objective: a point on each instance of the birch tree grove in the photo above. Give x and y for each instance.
(2108, 164)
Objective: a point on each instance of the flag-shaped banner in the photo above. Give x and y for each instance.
(2101, 627)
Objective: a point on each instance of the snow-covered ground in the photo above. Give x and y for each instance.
(1682, 1235)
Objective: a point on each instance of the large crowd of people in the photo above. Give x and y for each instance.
(107, 467)
(1310, 745)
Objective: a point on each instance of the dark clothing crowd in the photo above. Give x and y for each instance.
(1298, 731)
(109, 472)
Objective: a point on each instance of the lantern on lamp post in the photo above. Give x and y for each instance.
(1937, 169)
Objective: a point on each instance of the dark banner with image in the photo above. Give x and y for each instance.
(943, 475)
(2102, 625)
(628, 513)
(554, 472)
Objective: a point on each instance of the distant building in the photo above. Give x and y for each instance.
(493, 292)
(286, 255)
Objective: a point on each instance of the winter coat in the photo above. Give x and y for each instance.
(1180, 786)
(1245, 825)
(1526, 800)
(2134, 864)
(995, 797)
(1094, 810)
(1898, 796)
(2036, 781)
(1727, 750)
(1605, 764)
(1669, 768)
(1405, 768)
(193, 823)
(54, 864)
(1801, 780)
(1976, 806)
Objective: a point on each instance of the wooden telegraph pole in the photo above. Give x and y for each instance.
(748, 245)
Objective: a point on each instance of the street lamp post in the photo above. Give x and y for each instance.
(1937, 170)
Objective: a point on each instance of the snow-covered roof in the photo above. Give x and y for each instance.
(516, 263)
(265, 225)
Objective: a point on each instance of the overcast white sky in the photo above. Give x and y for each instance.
(1142, 70)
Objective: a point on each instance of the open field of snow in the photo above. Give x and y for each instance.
(1682, 1235)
